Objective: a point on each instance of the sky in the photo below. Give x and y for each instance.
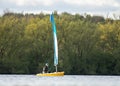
(94, 7)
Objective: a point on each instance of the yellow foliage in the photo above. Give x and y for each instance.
(102, 37)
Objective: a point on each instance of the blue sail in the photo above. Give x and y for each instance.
(55, 40)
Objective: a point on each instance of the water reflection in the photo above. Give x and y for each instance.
(32, 80)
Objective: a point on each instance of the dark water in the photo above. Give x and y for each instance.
(67, 80)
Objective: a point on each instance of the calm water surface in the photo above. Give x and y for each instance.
(67, 80)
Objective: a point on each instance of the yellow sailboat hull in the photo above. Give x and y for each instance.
(51, 74)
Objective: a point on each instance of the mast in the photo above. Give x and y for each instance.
(55, 41)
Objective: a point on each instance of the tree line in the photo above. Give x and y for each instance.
(86, 44)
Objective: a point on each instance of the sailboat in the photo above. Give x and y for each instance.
(56, 73)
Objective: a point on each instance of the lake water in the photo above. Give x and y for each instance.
(67, 80)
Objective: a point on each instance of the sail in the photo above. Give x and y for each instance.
(55, 40)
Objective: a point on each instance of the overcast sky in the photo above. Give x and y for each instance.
(100, 7)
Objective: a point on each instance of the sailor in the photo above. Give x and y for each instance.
(45, 68)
